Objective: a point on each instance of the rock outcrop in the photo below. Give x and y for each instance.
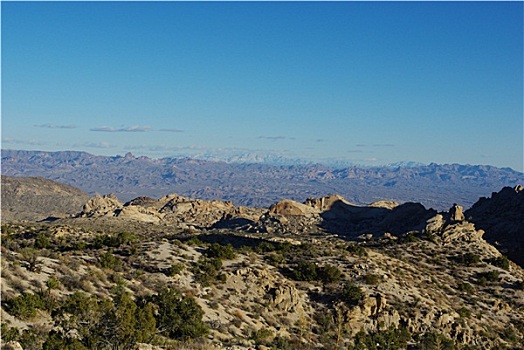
(456, 213)
(288, 207)
(502, 219)
(171, 209)
(101, 206)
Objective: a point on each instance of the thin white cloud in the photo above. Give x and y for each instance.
(22, 142)
(171, 130)
(103, 145)
(383, 145)
(53, 126)
(134, 128)
(276, 138)
(376, 145)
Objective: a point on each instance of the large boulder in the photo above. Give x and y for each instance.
(289, 207)
(101, 206)
(456, 213)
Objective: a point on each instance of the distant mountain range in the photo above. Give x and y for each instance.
(435, 185)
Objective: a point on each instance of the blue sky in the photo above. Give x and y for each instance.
(363, 82)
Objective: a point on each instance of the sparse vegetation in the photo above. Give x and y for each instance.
(109, 261)
(351, 294)
(26, 305)
(487, 277)
(436, 341)
(218, 251)
(178, 315)
(207, 270)
(108, 289)
(469, 259)
(465, 287)
(391, 339)
(357, 250)
(501, 262)
(42, 241)
(372, 279)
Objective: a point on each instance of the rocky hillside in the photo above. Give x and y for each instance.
(182, 273)
(36, 199)
(258, 185)
(502, 217)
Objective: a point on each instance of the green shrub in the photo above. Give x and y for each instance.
(113, 241)
(175, 269)
(109, 261)
(264, 247)
(488, 277)
(52, 283)
(263, 336)
(464, 312)
(391, 339)
(56, 340)
(372, 278)
(42, 241)
(275, 259)
(207, 270)
(80, 245)
(351, 294)
(219, 251)
(9, 333)
(7, 230)
(469, 259)
(358, 250)
(30, 256)
(194, 241)
(305, 271)
(329, 274)
(407, 238)
(178, 315)
(501, 262)
(86, 322)
(33, 337)
(282, 343)
(465, 287)
(436, 341)
(25, 305)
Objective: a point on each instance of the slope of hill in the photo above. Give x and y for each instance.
(85, 282)
(260, 185)
(34, 198)
(184, 273)
(502, 217)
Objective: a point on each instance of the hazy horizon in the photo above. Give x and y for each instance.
(356, 82)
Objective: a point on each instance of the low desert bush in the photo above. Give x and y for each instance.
(357, 250)
(25, 305)
(351, 294)
(220, 251)
(372, 279)
(501, 262)
(469, 259)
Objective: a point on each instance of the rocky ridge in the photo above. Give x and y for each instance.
(501, 217)
(315, 274)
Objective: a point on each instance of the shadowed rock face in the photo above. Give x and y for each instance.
(34, 199)
(502, 219)
(351, 221)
